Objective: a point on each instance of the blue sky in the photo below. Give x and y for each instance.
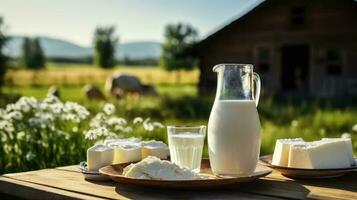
(135, 20)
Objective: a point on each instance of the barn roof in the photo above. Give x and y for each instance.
(194, 49)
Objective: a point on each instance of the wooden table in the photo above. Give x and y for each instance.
(68, 183)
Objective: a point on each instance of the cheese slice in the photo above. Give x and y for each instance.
(99, 156)
(124, 152)
(281, 151)
(319, 155)
(154, 148)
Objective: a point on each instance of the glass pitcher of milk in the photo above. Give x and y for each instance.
(234, 126)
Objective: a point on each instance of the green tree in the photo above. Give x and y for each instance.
(178, 37)
(32, 54)
(38, 55)
(104, 42)
(26, 53)
(3, 58)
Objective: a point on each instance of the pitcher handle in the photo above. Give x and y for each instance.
(256, 80)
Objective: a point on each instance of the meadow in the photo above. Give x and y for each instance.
(177, 103)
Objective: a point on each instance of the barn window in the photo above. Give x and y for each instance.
(263, 58)
(333, 62)
(297, 15)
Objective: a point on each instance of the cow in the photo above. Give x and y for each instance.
(119, 85)
(93, 93)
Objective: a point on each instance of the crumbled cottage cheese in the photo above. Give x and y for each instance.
(154, 168)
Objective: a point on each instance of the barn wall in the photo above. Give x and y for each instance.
(329, 25)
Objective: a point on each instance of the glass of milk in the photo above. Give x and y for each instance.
(186, 145)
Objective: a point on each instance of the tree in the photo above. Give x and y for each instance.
(3, 58)
(32, 54)
(26, 53)
(38, 55)
(178, 37)
(104, 42)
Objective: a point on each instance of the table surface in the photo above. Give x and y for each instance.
(68, 183)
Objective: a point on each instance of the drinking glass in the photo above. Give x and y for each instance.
(186, 145)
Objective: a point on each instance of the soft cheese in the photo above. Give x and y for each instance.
(131, 140)
(126, 152)
(281, 151)
(99, 156)
(323, 154)
(154, 168)
(348, 147)
(154, 148)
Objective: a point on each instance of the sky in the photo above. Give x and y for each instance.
(135, 20)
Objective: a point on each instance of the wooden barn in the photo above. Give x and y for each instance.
(304, 47)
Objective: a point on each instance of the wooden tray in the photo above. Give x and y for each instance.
(115, 173)
(306, 173)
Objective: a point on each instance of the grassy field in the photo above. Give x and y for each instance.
(178, 103)
(79, 75)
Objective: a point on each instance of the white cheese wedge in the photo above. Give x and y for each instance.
(319, 155)
(154, 168)
(154, 148)
(99, 156)
(124, 152)
(348, 148)
(281, 151)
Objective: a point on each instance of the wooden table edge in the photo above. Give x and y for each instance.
(28, 190)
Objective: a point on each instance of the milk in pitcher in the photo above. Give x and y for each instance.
(234, 137)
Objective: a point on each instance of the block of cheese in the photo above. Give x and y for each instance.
(125, 152)
(154, 148)
(348, 147)
(319, 155)
(99, 156)
(281, 151)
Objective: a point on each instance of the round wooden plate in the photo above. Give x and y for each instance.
(306, 173)
(115, 173)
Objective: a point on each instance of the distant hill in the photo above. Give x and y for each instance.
(54, 47)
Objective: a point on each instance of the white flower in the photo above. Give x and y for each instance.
(158, 124)
(138, 120)
(147, 125)
(150, 126)
(354, 128)
(15, 115)
(98, 120)
(109, 108)
(91, 135)
(346, 135)
(118, 128)
(51, 99)
(7, 126)
(75, 108)
(128, 129)
(294, 123)
(71, 117)
(98, 132)
(116, 121)
(30, 156)
(75, 129)
(20, 135)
